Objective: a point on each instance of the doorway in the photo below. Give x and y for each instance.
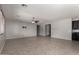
(38, 30)
(48, 30)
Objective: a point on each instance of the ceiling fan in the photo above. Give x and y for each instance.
(34, 20)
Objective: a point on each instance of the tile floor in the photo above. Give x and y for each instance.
(40, 46)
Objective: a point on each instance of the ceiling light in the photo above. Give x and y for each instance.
(24, 5)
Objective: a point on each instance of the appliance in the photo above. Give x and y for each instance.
(75, 30)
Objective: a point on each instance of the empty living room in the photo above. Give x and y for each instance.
(39, 29)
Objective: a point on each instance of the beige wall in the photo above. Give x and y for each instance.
(14, 29)
(62, 29)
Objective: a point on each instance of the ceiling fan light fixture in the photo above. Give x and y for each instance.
(33, 22)
(36, 21)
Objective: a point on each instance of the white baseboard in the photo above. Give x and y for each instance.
(16, 37)
(61, 38)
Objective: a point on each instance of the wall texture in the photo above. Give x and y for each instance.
(62, 29)
(14, 29)
(59, 29)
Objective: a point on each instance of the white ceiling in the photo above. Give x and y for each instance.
(43, 12)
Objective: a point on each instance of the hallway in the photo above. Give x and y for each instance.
(40, 46)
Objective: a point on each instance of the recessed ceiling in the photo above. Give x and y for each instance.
(43, 12)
